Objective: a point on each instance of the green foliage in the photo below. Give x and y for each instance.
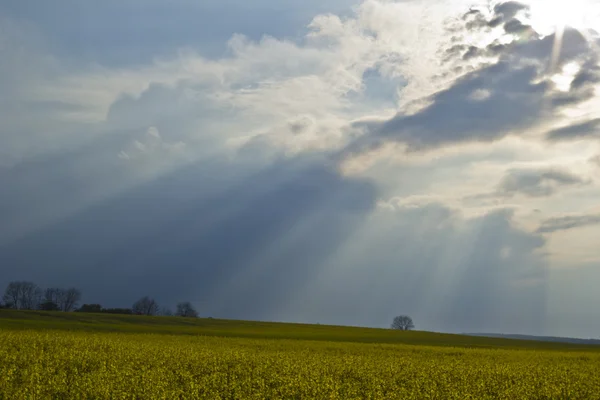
(79, 365)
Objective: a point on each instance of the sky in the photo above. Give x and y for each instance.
(336, 162)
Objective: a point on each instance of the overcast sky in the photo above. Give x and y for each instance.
(330, 161)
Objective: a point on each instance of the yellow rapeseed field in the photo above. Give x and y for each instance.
(84, 365)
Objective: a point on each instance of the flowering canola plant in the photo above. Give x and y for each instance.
(90, 365)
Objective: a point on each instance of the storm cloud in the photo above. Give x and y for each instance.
(210, 162)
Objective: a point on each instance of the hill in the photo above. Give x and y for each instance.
(595, 342)
(41, 320)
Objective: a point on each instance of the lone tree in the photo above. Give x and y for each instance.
(145, 306)
(403, 323)
(185, 309)
(23, 295)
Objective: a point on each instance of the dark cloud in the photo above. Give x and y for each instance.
(454, 51)
(495, 22)
(472, 52)
(585, 129)
(509, 9)
(475, 20)
(301, 124)
(537, 183)
(515, 101)
(567, 223)
(516, 27)
(291, 242)
(179, 237)
(503, 13)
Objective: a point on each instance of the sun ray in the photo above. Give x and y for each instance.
(556, 49)
(549, 17)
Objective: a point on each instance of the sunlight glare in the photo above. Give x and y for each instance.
(564, 79)
(550, 16)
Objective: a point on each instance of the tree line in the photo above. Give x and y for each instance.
(24, 295)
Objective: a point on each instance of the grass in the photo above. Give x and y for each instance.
(42, 320)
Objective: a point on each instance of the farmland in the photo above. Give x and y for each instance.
(59, 355)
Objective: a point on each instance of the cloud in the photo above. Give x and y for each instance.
(224, 166)
(502, 13)
(537, 183)
(269, 226)
(571, 222)
(580, 130)
(152, 146)
(292, 238)
(519, 93)
(513, 101)
(509, 9)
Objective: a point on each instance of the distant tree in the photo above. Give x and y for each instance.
(69, 299)
(46, 305)
(145, 306)
(127, 311)
(185, 309)
(12, 294)
(166, 312)
(23, 295)
(90, 308)
(51, 295)
(8, 305)
(66, 299)
(403, 323)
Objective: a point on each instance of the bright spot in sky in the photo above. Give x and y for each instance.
(549, 16)
(564, 79)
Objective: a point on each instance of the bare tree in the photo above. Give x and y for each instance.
(185, 309)
(23, 295)
(69, 298)
(145, 306)
(51, 295)
(403, 323)
(65, 299)
(12, 295)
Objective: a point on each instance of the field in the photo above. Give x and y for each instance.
(54, 355)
